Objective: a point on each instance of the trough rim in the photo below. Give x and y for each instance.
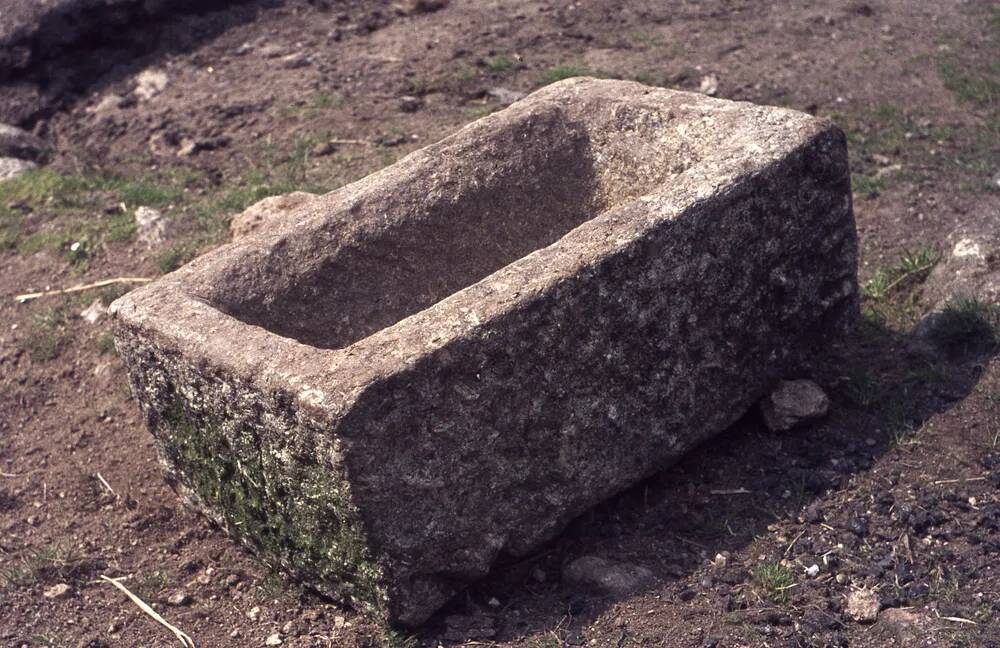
(326, 381)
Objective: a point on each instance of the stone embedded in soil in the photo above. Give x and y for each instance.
(908, 625)
(615, 579)
(794, 403)
(454, 357)
(57, 591)
(179, 598)
(150, 83)
(18, 143)
(11, 168)
(151, 226)
(93, 313)
(862, 606)
(268, 210)
(970, 264)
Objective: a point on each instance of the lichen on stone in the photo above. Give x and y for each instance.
(294, 513)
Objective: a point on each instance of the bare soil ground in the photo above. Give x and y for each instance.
(898, 491)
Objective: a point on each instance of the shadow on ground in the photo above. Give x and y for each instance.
(67, 54)
(884, 386)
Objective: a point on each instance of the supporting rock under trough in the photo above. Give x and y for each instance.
(455, 356)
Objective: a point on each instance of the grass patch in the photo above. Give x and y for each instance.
(966, 325)
(174, 257)
(149, 585)
(105, 344)
(774, 580)
(912, 267)
(978, 86)
(865, 186)
(78, 211)
(42, 565)
(48, 335)
(500, 64)
(569, 71)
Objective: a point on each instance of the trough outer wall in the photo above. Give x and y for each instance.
(603, 377)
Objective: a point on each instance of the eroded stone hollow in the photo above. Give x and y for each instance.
(455, 356)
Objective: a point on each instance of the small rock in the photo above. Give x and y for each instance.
(18, 143)
(11, 168)
(107, 103)
(421, 6)
(150, 225)
(505, 96)
(150, 83)
(794, 403)
(273, 640)
(907, 625)
(179, 598)
(615, 579)
(93, 313)
(862, 606)
(967, 268)
(259, 214)
(254, 613)
(191, 147)
(57, 591)
(410, 104)
(812, 571)
(709, 85)
(296, 60)
(272, 51)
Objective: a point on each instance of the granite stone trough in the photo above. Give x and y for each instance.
(450, 359)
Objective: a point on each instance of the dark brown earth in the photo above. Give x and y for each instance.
(897, 491)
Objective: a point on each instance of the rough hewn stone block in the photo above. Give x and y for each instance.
(453, 357)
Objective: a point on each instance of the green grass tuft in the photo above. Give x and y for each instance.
(567, 72)
(48, 334)
(865, 186)
(913, 266)
(774, 581)
(500, 64)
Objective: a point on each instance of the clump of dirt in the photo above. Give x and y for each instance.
(756, 539)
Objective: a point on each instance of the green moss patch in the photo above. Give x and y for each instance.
(281, 501)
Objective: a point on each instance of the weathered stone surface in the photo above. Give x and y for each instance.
(150, 226)
(11, 168)
(794, 403)
(268, 210)
(18, 143)
(862, 606)
(457, 355)
(970, 265)
(612, 578)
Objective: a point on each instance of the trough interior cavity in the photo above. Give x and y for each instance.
(409, 247)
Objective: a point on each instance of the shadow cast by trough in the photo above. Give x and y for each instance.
(884, 386)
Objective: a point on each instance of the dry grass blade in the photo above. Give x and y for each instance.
(106, 485)
(185, 640)
(20, 299)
